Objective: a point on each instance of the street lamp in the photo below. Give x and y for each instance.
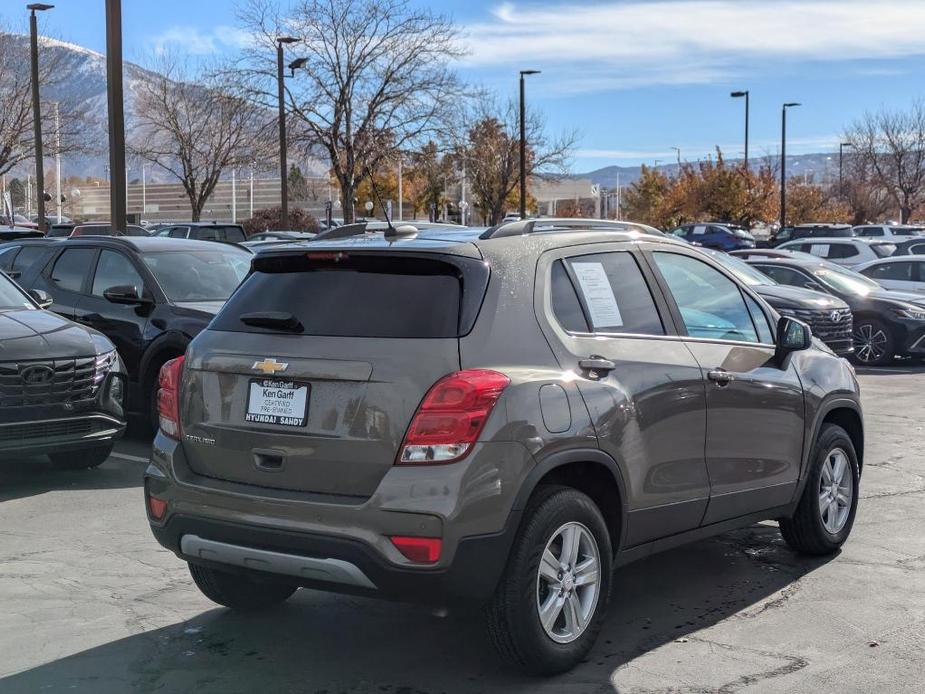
(296, 64)
(841, 154)
(523, 145)
(678, 150)
(783, 162)
(116, 113)
(739, 95)
(283, 169)
(36, 107)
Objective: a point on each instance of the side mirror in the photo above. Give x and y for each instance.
(792, 336)
(125, 294)
(41, 297)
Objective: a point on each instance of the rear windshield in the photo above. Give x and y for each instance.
(355, 295)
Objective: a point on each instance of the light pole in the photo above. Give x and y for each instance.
(739, 95)
(841, 155)
(783, 162)
(400, 206)
(283, 169)
(57, 162)
(116, 110)
(37, 108)
(678, 150)
(523, 144)
(144, 190)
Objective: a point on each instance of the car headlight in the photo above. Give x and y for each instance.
(102, 343)
(910, 313)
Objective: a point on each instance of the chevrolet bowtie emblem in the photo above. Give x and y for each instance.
(269, 366)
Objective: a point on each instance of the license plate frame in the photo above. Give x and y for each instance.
(271, 400)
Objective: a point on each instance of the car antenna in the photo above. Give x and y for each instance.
(391, 232)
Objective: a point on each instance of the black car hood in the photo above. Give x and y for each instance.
(899, 297)
(781, 296)
(33, 334)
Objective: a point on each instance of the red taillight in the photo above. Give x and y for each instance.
(451, 416)
(157, 508)
(168, 397)
(422, 550)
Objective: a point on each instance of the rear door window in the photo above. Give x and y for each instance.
(359, 295)
(72, 267)
(842, 250)
(612, 295)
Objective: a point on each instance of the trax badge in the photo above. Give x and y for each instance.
(269, 366)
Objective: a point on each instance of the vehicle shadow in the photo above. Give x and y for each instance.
(25, 477)
(319, 643)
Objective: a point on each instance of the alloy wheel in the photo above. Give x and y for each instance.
(568, 583)
(869, 343)
(836, 489)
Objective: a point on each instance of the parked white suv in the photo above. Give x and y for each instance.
(889, 232)
(843, 251)
(904, 273)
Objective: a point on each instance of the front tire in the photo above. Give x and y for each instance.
(874, 344)
(238, 591)
(825, 514)
(81, 459)
(551, 601)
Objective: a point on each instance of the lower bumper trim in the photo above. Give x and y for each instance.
(308, 568)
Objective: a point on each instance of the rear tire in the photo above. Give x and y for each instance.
(82, 459)
(874, 344)
(574, 604)
(237, 591)
(822, 520)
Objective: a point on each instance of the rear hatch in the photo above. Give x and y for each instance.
(308, 377)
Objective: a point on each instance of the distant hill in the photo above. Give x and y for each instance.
(822, 166)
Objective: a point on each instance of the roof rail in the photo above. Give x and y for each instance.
(529, 226)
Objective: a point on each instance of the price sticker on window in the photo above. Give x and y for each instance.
(598, 294)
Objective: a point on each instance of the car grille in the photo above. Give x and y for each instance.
(829, 325)
(52, 381)
(30, 432)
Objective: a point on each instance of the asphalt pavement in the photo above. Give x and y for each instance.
(89, 602)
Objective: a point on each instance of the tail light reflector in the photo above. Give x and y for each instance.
(157, 508)
(168, 398)
(421, 550)
(451, 417)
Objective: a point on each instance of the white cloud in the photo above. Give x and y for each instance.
(614, 45)
(192, 41)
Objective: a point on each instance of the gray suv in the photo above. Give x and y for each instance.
(498, 421)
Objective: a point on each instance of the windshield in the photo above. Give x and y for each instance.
(845, 281)
(199, 275)
(11, 296)
(742, 270)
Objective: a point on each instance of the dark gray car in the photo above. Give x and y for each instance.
(495, 421)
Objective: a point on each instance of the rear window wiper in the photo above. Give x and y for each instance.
(276, 320)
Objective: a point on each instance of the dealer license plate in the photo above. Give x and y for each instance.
(270, 401)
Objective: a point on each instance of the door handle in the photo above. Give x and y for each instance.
(596, 366)
(720, 376)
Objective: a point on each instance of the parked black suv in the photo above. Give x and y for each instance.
(886, 323)
(204, 231)
(150, 296)
(828, 316)
(61, 384)
(499, 421)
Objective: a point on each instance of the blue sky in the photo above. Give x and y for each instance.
(633, 77)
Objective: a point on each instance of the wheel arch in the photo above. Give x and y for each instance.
(165, 347)
(592, 472)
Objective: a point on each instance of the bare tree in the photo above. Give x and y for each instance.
(491, 150)
(195, 128)
(376, 80)
(17, 141)
(891, 146)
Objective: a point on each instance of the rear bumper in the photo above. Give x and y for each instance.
(338, 564)
(342, 544)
